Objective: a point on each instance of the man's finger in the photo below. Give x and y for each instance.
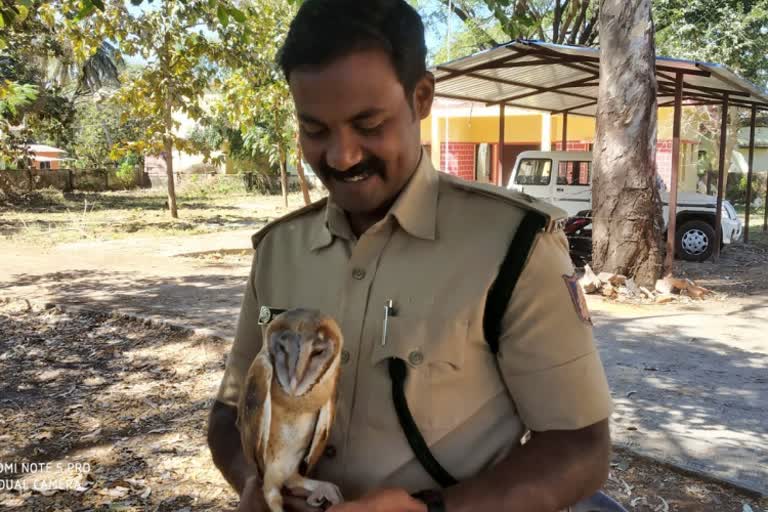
(299, 492)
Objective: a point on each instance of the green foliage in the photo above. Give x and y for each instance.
(736, 187)
(126, 171)
(733, 33)
(14, 95)
(255, 99)
(40, 51)
(480, 24)
(101, 137)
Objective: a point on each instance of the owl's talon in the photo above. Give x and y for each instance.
(325, 493)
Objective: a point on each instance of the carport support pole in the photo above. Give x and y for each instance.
(500, 152)
(751, 162)
(564, 143)
(720, 180)
(669, 258)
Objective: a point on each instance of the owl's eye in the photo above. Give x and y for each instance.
(317, 351)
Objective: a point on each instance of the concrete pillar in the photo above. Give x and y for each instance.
(546, 132)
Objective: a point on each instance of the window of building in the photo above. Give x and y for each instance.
(45, 166)
(534, 172)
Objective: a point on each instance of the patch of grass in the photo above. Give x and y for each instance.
(205, 187)
(756, 221)
(125, 214)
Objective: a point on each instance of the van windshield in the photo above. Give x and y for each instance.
(533, 171)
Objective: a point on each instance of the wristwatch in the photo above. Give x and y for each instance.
(432, 498)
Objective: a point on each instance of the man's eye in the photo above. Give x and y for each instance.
(370, 130)
(312, 133)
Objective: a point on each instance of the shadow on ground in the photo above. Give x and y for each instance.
(688, 395)
(128, 399)
(206, 300)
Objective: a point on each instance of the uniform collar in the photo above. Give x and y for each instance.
(415, 209)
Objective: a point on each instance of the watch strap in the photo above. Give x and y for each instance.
(432, 498)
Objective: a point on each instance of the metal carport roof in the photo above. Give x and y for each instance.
(559, 79)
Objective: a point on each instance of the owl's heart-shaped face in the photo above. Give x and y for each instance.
(302, 346)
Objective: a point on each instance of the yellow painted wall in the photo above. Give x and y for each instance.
(665, 120)
(525, 128)
(579, 128)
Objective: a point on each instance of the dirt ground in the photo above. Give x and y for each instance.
(128, 402)
(741, 271)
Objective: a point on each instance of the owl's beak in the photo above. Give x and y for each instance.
(301, 368)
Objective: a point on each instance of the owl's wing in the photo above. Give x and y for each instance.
(320, 437)
(255, 411)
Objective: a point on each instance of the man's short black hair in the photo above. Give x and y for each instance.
(324, 30)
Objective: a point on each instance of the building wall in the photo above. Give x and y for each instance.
(457, 153)
(55, 164)
(182, 162)
(579, 128)
(761, 158)
(518, 128)
(458, 158)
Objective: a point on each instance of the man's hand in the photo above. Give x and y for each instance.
(252, 499)
(383, 500)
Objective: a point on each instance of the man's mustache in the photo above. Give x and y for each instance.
(372, 165)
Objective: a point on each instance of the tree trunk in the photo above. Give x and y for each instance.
(168, 124)
(626, 205)
(302, 179)
(169, 173)
(284, 176)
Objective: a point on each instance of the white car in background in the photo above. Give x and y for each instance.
(564, 178)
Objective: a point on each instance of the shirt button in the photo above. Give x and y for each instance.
(344, 357)
(330, 451)
(358, 274)
(416, 357)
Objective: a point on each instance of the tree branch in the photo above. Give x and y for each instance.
(469, 20)
(579, 21)
(556, 21)
(590, 28)
(567, 24)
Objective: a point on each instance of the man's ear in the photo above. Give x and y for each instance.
(424, 95)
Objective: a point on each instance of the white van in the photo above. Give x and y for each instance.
(564, 178)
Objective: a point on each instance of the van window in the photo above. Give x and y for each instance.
(533, 172)
(574, 173)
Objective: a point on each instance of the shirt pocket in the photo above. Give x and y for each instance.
(433, 350)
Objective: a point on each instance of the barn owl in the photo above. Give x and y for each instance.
(287, 407)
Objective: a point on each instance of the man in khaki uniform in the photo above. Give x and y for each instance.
(396, 232)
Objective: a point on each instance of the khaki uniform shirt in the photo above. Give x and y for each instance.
(435, 255)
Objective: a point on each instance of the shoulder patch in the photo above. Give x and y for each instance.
(555, 217)
(317, 205)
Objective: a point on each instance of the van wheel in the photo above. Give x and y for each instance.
(695, 240)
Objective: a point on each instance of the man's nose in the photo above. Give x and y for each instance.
(344, 152)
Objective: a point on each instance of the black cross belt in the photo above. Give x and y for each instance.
(398, 374)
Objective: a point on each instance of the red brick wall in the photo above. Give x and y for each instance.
(458, 159)
(664, 160)
(573, 145)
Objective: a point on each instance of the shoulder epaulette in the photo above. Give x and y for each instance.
(554, 216)
(256, 237)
